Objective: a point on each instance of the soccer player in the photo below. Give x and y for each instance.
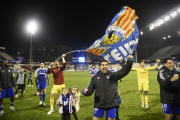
(169, 82)
(58, 78)
(143, 81)
(41, 73)
(93, 71)
(112, 69)
(104, 84)
(7, 80)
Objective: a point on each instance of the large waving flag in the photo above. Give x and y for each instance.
(120, 39)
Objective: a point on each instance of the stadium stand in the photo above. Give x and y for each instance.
(165, 52)
(5, 56)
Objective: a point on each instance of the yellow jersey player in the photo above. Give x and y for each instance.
(142, 74)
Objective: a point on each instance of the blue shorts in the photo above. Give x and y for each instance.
(111, 113)
(42, 86)
(168, 109)
(9, 92)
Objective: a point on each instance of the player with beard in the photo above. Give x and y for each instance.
(58, 79)
(7, 80)
(104, 84)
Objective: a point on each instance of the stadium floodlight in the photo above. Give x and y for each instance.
(169, 36)
(164, 37)
(179, 10)
(161, 22)
(174, 14)
(167, 18)
(151, 27)
(141, 33)
(157, 24)
(32, 27)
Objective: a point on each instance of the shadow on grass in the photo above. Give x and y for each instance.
(87, 104)
(89, 118)
(147, 116)
(129, 91)
(154, 102)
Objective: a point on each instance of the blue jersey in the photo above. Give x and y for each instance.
(112, 70)
(41, 75)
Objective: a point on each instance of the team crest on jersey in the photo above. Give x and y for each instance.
(107, 77)
(9, 70)
(144, 69)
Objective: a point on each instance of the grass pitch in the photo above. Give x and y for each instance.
(27, 107)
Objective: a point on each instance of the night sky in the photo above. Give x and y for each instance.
(73, 23)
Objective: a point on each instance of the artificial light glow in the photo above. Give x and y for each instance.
(174, 14)
(164, 37)
(169, 36)
(141, 33)
(152, 27)
(157, 24)
(166, 18)
(32, 27)
(179, 10)
(161, 22)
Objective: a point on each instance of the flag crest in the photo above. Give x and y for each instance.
(120, 39)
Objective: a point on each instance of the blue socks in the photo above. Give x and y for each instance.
(1, 107)
(11, 103)
(40, 95)
(44, 96)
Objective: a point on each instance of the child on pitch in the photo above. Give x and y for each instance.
(65, 103)
(76, 96)
(21, 81)
(30, 78)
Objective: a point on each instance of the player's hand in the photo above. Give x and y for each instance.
(57, 102)
(16, 88)
(130, 57)
(64, 55)
(73, 104)
(85, 90)
(175, 77)
(49, 83)
(157, 61)
(52, 63)
(1, 89)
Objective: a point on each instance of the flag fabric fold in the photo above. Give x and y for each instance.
(120, 39)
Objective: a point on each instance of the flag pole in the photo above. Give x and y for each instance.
(69, 52)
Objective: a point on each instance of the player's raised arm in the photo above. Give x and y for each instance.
(134, 69)
(64, 63)
(124, 71)
(155, 66)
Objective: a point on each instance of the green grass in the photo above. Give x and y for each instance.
(27, 107)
